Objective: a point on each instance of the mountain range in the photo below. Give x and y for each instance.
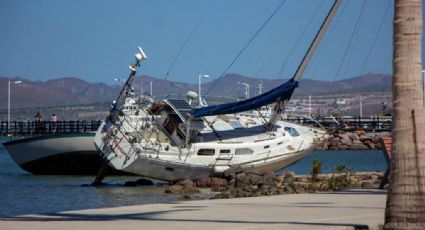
(74, 91)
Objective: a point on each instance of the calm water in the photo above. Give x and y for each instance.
(23, 193)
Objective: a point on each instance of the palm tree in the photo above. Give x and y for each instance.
(406, 193)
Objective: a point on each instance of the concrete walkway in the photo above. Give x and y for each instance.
(342, 210)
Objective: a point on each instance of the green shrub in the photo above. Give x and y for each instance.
(342, 179)
(316, 168)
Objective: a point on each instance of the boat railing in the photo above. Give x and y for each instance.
(36, 128)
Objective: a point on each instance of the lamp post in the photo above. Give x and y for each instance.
(260, 88)
(8, 102)
(246, 89)
(119, 80)
(309, 106)
(200, 76)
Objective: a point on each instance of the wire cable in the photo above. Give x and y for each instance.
(374, 41)
(182, 47)
(348, 46)
(291, 52)
(247, 44)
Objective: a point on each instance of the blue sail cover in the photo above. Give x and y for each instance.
(282, 92)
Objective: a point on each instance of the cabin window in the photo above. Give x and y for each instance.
(243, 151)
(292, 131)
(206, 152)
(279, 143)
(235, 124)
(225, 151)
(267, 146)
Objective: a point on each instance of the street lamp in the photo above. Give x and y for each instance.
(8, 103)
(246, 89)
(200, 76)
(119, 80)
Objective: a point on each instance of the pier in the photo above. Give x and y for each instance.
(349, 123)
(33, 128)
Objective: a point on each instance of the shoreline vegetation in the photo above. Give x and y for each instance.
(251, 184)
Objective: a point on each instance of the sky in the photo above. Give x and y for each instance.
(96, 40)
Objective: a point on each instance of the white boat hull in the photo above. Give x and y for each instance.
(171, 166)
(66, 154)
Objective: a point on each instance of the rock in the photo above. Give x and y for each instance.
(366, 138)
(241, 180)
(144, 182)
(354, 137)
(374, 178)
(182, 187)
(175, 188)
(218, 184)
(268, 178)
(190, 190)
(202, 182)
(358, 147)
(357, 142)
(343, 147)
(254, 178)
(287, 189)
(360, 132)
(130, 184)
(185, 183)
(368, 185)
(289, 178)
(346, 141)
(371, 145)
(335, 142)
(333, 148)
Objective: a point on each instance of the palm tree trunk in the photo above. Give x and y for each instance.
(406, 193)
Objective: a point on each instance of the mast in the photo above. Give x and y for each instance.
(140, 56)
(280, 105)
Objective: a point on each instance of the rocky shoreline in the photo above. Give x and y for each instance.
(356, 140)
(250, 184)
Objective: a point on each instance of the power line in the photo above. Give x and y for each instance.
(299, 39)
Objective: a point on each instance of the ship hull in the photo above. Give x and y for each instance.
(59, 154)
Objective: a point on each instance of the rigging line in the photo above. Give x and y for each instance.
(348, 46)
(299, 40)
(374, 42)
(247, 44)
(182, 47)
(357, 32)
(317, 59)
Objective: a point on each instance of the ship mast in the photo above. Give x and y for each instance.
(280, 105)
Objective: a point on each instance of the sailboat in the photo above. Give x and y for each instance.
(171, 140)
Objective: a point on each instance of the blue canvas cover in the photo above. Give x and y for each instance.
(282, 92)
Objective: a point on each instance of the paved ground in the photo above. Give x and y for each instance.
(345, 210)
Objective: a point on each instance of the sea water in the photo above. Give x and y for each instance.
(23, 193)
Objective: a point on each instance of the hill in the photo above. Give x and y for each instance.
(74, 91)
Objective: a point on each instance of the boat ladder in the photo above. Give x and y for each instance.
(222, 163)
